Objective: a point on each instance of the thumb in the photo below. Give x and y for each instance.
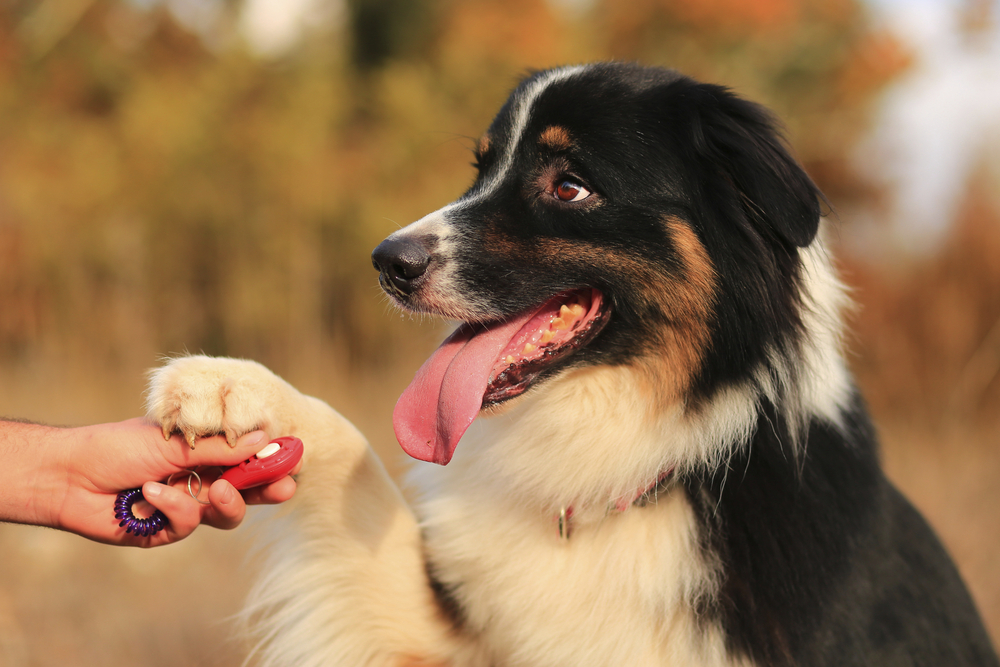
(183, 512)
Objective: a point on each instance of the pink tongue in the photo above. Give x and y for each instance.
(447, 393)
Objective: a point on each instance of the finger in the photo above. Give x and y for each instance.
(215, 451)
(227, 506)
(271, 494)
(182, 511)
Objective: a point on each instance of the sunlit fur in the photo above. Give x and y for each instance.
(715, 472)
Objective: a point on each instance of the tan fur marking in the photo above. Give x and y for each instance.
(556, 138)
(688, 304)
(686, 300)
(484, 144)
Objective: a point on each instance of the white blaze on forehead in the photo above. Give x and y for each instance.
(523, 103)
(436, 224)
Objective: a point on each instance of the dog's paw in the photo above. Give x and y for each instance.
(201, 396)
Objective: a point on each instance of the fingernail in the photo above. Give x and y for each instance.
(227, 494)
(151, 490)
(252, 438)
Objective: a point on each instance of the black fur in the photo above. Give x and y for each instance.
(828, 564)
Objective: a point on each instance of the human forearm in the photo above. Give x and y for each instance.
(33, 474)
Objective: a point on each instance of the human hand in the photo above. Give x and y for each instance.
(98, 462)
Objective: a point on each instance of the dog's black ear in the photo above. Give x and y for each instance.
(739, 142)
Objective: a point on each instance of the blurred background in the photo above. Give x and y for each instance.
(211, 176)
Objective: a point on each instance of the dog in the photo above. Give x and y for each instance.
(655, 453)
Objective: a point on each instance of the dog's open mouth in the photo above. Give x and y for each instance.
(482, 365)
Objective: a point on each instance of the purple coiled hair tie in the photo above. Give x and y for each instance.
(151, 525)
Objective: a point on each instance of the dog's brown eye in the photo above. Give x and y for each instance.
(570, 191)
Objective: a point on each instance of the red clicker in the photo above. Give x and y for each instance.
(269, 464)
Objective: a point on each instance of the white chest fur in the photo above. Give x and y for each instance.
(618, 592)
(622, 589)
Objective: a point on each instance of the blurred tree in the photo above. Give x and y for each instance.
(384, 29)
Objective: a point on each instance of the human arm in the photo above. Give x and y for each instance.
(68, 478)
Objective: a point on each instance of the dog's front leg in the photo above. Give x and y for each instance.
(345, 581)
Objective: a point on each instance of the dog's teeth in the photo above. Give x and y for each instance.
(547, 336)
(558, 324)
(564, 312)
(528, 349)
(509, 359)
(576, 309)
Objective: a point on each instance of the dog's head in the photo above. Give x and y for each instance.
(621, 215)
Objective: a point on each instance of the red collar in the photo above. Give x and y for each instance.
(641, 498)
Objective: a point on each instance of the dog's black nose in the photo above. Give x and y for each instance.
(400, 262)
